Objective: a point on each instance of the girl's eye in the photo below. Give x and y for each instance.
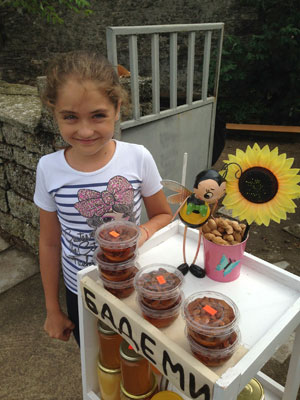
(69, 117)
(99, 116)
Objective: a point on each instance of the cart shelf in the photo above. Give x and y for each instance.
(269, 302)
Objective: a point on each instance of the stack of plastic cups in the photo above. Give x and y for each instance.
(211, 327)
(159, 293)
(116, 256)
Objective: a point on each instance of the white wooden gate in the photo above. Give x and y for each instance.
(181, 128)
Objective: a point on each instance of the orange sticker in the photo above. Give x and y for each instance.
(161, 280)
(209, 309)
(114, 234)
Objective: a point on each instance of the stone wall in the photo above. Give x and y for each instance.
(27, 43)
(23, 140)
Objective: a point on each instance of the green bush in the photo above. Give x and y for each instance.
(47, 9)
(260, 73)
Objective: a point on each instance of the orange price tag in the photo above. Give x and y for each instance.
(114, 234)
(209, 309)
(161, 280)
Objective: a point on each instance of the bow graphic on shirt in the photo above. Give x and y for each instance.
(93, 203)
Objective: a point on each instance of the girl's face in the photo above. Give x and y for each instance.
(86, 117)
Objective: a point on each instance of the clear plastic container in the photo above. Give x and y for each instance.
(210, 317)
(120, 289)
(161, 318)
(118, 239)
(113, 271)
(159, 285)
(214, 357)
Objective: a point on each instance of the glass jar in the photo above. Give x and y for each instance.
(124, 395)
(109, 346)
(136, 374)
(109, 382)
(166, 395)
(252, 391)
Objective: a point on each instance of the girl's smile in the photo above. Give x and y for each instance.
(86, 120)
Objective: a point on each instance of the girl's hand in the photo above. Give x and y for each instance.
(58, 325)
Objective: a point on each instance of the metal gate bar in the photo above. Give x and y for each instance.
(155, 30)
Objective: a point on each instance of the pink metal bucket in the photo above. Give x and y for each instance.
(223, 263)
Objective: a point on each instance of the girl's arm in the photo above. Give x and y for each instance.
(57, 324)
(159, 214)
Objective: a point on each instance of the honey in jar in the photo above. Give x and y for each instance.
(136, 374)
(109, 382)
(109, 346)
(124, 395)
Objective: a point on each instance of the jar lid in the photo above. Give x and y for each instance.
(105, 329)
(109, 370)
(166, 395)
(127, 352)
(141, 396)
(252, 391)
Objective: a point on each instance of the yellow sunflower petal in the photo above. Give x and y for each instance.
(263, 156)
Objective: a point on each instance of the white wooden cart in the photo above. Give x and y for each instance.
(269, 302)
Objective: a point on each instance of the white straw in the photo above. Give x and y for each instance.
(184, 169)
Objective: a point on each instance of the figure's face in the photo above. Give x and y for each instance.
(210, 191)
(85, 116)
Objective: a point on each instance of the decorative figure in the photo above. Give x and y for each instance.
(194, 210)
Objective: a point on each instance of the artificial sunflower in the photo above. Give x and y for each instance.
(261, 185)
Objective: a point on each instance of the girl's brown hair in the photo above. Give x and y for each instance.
(83, 66)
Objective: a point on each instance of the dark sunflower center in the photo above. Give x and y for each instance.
(258, 185)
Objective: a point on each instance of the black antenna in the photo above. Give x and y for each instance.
(225, 168)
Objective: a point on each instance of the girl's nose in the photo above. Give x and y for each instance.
(85, 130)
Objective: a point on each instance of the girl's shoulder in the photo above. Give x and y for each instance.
(132, 148)
(52, 158)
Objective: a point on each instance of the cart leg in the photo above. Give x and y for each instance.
(293, 377)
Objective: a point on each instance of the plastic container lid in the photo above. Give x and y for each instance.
(215, 353)
(105, 263)
(117, 234)
(119, 284)
(211, 313)
(158, 281)
(161, 314)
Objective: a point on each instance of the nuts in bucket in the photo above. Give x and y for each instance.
(223, 231)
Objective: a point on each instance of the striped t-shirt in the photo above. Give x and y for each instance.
(85, 200)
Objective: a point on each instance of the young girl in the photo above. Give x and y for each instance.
(96, 179)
